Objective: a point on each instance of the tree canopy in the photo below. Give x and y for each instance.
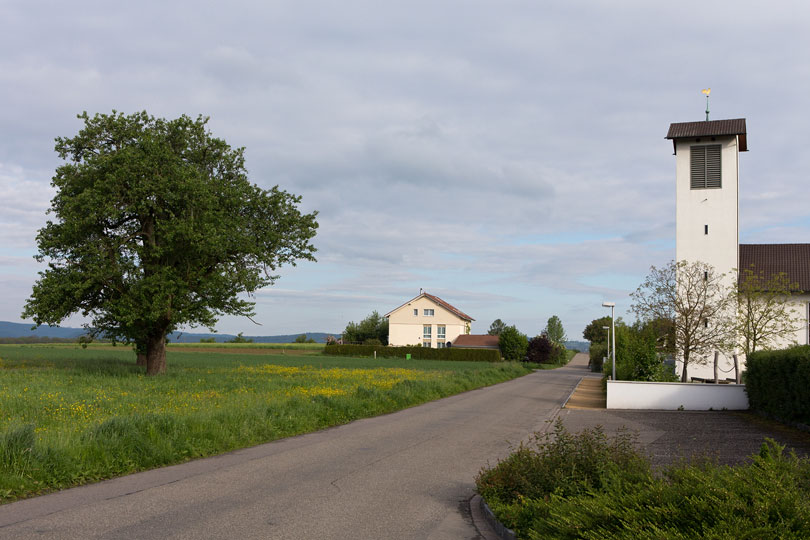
(496, 327)
(513, 344)
(156, 225)
(374, 327)
(595, 331)
(555, 331)
(764, 316)
(692, 298)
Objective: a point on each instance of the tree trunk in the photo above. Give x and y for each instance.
(141, 361)
(156, 355)
(737, 369)
(716, 356)
(685, 364)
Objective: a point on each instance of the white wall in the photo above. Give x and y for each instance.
(405, 328)
(674, 396)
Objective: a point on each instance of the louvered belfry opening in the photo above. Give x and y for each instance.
(705, 166)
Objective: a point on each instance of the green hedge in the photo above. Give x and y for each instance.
(419, 353)
(778, 383)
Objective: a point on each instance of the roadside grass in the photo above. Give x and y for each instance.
(70, 416)
(594, 487)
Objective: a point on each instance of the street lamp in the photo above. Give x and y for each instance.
(612, 306)
(608, 339)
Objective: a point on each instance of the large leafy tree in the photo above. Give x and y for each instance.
(595, 331)
(555, 331)
(513, 344)
(374, 327)
(496, 327)
(695, 303)
(764, 316)
(156, 225)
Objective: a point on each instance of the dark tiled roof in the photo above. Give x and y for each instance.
(770, 259)
(448, 307)
(735, 126)
(476, 341)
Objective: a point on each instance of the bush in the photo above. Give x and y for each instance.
(416, 352)
(598, 352)
(513, 344)
(587, 486)
(778, 383)
(541, 350)
(562, 464)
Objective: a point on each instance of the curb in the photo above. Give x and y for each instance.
(501, 532)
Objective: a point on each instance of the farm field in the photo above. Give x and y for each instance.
(70, 416)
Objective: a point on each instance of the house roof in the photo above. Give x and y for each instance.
(438, 301)
(476, 341)
(771, 259)
(710, 128)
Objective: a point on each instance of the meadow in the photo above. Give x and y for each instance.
(70, 416)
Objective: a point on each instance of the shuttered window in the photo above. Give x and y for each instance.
(705, 166)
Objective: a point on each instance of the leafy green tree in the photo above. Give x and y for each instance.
(373, 327)
(595, 331)
(208, 340)
(301, 339)
(496, 327)
(240, 339)
(513, 344)
(554, 330)
(156, 226)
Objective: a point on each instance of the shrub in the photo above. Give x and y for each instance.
(416, 352)
(541, 350)
(587, 486)
(778, 383)
(597, 352)
(513, 344)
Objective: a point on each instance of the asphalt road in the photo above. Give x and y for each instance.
(405, 475)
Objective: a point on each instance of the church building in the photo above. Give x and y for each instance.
(707, 158)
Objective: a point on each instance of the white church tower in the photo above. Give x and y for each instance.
(706, 191)
(707, 204)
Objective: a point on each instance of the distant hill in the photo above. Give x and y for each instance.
(581, 346)
(19, 330)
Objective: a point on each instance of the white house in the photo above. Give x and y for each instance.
(427, 320)
(706, 217)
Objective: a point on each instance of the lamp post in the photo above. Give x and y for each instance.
(608, 339)
(612, 306)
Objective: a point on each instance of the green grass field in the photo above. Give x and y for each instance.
(70, 416)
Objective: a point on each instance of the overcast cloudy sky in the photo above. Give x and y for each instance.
(506, 156)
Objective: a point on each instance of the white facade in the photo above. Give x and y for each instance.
(426, 322)
(707, 222)
(707, 228)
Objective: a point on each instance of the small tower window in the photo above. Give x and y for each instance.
(705, 166)
(705, 229)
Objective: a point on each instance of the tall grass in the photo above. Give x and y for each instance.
(69, 416)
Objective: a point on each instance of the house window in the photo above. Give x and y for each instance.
(705, 229)
(415, 312)
(705, 166)
(426, 335)
(428, 313)
(441, 336)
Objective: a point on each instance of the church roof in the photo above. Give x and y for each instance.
(770, 259)
(710, 128)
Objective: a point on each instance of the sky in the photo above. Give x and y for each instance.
(508, 157)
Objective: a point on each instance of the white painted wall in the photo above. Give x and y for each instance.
(405, 328)
(674, 396)
(717, 208)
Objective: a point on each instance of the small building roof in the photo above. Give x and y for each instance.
(438, 301)
(710, 128)
(771, 259)
(476, 341)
